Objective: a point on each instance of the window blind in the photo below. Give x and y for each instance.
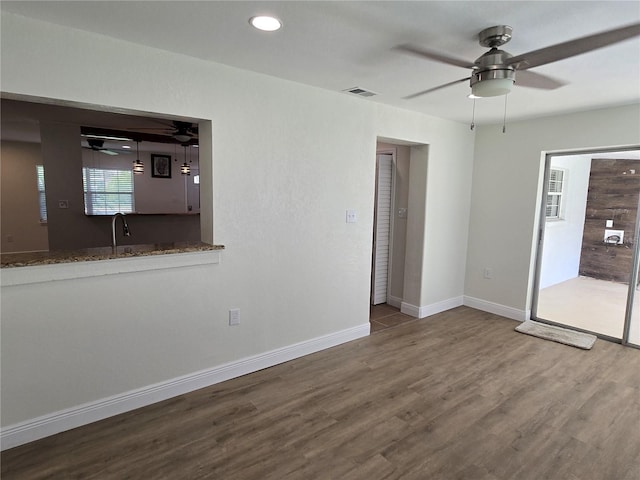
(107, 191)
(42, 198)
(554, 193)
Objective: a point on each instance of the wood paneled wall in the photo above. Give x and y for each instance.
(614, 186)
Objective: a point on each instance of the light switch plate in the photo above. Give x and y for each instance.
(234, 316)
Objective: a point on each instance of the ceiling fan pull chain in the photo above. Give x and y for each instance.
(473, 115)
(504, 118)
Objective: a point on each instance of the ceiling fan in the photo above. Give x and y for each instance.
(494, 72)
(182, 132)
(97, 146)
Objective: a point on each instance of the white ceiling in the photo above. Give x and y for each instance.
(341, 44)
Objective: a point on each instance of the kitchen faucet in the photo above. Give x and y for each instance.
(125, 230)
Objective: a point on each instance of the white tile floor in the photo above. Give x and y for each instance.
(590, 304)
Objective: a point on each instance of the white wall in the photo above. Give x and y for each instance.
(288, 161)
(161, 195)
(563, 237)
(507, 187)
(439, 196)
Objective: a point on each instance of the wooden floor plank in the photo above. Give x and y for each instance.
(458, 395)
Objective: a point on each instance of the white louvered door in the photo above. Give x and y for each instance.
(382, 229)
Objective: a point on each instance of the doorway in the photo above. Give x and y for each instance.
(588, 253)
(382, 227)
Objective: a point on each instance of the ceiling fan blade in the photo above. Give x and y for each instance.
(438, 57)
(571, 48)
(527, 78)
(107, 152)
(424, 92)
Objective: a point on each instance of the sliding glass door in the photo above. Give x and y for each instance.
(587, 256)
(631, 332)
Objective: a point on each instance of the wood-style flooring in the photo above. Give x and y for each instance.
(459, 395)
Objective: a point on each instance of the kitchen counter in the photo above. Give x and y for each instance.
(10, 260)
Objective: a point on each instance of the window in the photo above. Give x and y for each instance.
(107, 191)
(554, 194)
(42, 199)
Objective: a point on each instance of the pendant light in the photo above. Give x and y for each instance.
(185, 169)
(138, 166)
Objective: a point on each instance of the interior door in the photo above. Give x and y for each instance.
(382, 229)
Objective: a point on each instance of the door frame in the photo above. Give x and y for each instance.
(540, 247)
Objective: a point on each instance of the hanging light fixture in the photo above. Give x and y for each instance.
(185, 169)
(138, 166)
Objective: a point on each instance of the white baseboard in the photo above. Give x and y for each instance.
(61, 421)
(431, 309)
(394, 301)
(409, 309)
(497, 309)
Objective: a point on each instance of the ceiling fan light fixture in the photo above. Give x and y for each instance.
(182, 137)
(492, 83)
(265, 23)
(491, 88)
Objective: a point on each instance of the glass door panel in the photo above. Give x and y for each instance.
(634, 321)
(631, 333)
(586, 257)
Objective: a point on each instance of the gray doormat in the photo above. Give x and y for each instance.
(557, 334)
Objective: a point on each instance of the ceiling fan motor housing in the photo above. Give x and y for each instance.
(495, 36)
(491, 75)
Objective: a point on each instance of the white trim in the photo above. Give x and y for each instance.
(497, 309)
(67, 271)
(442, 306)
(394, 301)
(432, 309)
(57, 422)
(409, 309)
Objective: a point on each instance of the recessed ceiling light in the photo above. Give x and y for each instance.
(126, 146)
(265, 23)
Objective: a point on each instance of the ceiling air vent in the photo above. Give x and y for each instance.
(360, 92)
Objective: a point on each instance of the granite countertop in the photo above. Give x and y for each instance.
(10, 260)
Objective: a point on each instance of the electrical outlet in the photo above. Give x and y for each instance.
(488, 273)
(234, 316)
(352, 216)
